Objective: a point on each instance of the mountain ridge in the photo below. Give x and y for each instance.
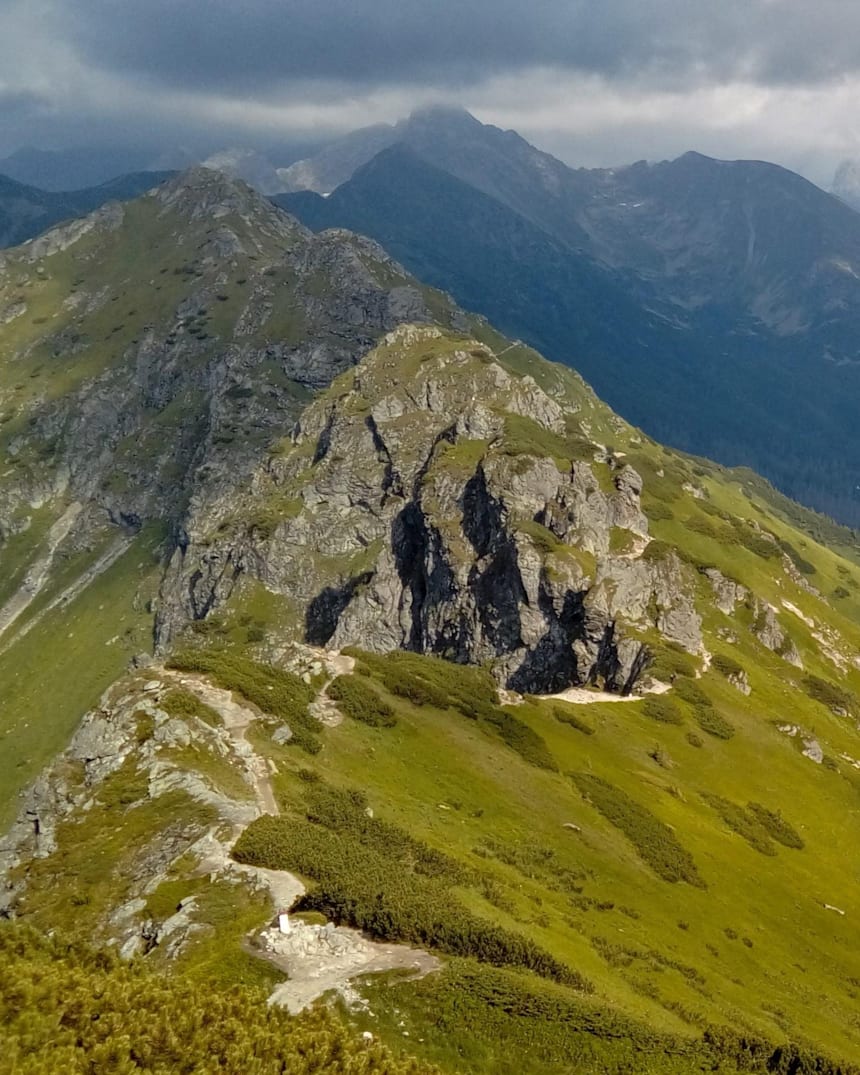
(737, 281)
(26, 211)
(300, 540)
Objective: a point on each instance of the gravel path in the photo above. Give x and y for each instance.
(317, 959)
(237, 719)
(324, 959)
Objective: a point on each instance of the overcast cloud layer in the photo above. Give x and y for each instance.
(595, 82)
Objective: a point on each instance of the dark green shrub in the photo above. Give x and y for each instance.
(776, 826)
(762, 544)
(523, 739)
(656, 551)
(837, 699)
(690, 691)
(430, 681)
(272, 690)
(712, 510)
(344, 810)
(799, 562)
(669, 660)
(708, 719)
(655, 842)
(701, 526)
(659, 707)
(740, 821)
(357, 699)
(115, 1016)
(535, 863)
(712, 722)
(182, 703)
(566, 715)
(381, 894)
(726, 666)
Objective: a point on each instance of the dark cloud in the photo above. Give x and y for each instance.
(256, 45)
(21, 102)
(598, 81)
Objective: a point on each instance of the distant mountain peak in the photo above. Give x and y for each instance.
(436, 113)
(846, 182)
(201, 191)
(206, 176)
(743, 264)
(434, 132)
(247, 164)
(203, 179)
(693, 156)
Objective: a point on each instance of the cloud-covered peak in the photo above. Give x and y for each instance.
(593, 83)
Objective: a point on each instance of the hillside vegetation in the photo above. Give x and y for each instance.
(77, 1011)
(430, 644)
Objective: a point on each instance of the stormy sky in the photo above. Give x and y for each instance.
(594, 81)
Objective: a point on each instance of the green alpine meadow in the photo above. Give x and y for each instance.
(373, 698)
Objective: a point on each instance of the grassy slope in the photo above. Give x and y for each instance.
(57, 670)
(771, 957)
(465, 791)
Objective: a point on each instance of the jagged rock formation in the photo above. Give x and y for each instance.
(728, 594)
(770, 632)
(628, 274)
(191, 326)
(412, 511)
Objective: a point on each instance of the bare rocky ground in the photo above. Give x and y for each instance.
(317, 959)
(586, 696)
(322, 959)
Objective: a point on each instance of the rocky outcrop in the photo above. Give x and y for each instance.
(770, 632)
(728, 594)
(432, 497)
(421, 518)
(189, 335)
(740, 681)
(797, 577)
(132, 727)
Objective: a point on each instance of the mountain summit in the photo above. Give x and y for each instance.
(734, 282)
(335, 163)
(846, 183)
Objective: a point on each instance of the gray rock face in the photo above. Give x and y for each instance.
(728, 594)
(796, 576)
(232, 315)
(771, 634)
(740, 681)
(414, 527)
